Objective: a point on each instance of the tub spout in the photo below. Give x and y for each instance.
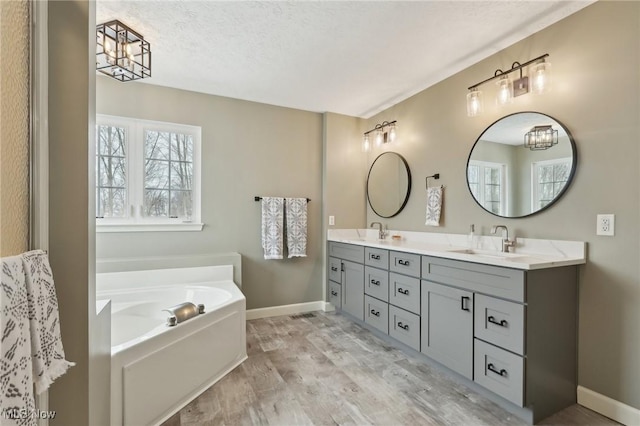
(182, 312)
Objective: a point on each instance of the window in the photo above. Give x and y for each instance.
(147, 175)
(487, 185)
(548, 179)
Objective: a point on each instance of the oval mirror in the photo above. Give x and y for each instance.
(388, 184)
(521, 164)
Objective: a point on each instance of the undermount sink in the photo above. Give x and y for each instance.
(490, 254)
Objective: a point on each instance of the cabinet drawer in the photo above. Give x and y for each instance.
(493, 280)
(499, 371)
(376, 257)
(404, 292)
(500, 322)
(335, 270)
(347, 252)
(376, 283)
(376, 313)
(405, 263)
(335, 294)
(404, 326)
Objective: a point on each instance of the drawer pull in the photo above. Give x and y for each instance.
(334, 269)
(402, 291)
(492, 368)
(375, 313)
(463, 304)
(403, 262)
(501, 323)
(334, 293)
(375, 282)
(403, 326)
(375, 256)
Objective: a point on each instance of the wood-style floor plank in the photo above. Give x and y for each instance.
(327, 370)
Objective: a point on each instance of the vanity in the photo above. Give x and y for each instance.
(505, 323)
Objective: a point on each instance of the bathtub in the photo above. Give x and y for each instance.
(156, 369)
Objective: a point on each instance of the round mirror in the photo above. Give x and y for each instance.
(521, 164)
(388, 184)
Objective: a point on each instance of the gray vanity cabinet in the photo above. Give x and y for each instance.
(346, 278)
(447, 326)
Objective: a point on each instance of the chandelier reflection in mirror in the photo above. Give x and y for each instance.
(121, 52)
(540, 138)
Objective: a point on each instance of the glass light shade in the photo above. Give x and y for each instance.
(540, 138)
(475, 105)
(379, 137)
(541, 77)
(366, 143)
(392, 133)
(504, 91)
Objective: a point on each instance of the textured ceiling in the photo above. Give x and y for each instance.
(350, 57)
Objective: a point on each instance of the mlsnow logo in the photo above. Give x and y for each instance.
(16, 413)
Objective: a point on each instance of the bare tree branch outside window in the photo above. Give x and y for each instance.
(111, 178)
(168, 177)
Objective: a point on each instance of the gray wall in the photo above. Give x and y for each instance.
(248, 149)
(80, 396)
(600, 109)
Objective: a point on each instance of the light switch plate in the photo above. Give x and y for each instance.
(606, 224)
(332, 220)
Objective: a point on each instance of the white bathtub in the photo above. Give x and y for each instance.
(155, 369)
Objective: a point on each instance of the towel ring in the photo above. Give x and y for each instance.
(435, 176)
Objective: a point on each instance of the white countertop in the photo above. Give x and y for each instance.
(529, 253)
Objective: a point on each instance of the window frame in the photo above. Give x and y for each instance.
(535, 174)
(134, 220)
(482, 165)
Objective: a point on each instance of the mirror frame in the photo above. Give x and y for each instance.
(574, 163)
(406, 198)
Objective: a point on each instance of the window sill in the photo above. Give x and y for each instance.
(149, 227)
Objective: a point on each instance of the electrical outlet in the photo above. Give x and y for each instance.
(606, 224)
(332, 220)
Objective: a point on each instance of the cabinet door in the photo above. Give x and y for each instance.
(353, 289)
(447, 326)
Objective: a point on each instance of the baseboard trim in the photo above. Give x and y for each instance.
(608, 407)
(296, 308)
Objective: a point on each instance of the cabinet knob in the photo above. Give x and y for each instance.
(501, 323)
(493, 369)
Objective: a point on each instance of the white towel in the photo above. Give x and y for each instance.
(16, 379)
(46, 343)
(272, 218)
(434, 205)
(296, 213)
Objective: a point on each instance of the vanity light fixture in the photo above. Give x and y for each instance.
(380, 135)
(121, 52)
(540, 138)
(508, 90)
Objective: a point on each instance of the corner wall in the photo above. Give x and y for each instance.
(248, 149)
(596, 94)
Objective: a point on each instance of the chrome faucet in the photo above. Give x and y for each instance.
(381, 232)
(506, 242)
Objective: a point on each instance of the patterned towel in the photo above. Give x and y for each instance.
(296, 212)
(272, 217)
(46, 343)
(434, 205)
(16, 380)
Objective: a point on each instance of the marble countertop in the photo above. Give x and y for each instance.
(529, 253)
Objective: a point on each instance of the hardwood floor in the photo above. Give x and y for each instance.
(326, 370)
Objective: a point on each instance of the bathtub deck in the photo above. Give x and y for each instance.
(328, 370)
